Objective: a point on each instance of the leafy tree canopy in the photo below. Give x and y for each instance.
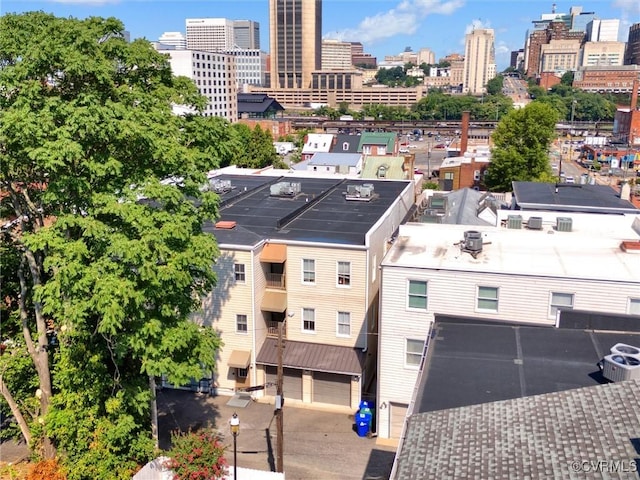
(107, 254)
(521, 142)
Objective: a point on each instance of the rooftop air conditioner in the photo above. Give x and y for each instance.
(617, 368)
(534, 223)
(563, 224)
(624, 349)
(514, 221)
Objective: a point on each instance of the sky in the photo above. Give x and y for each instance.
(384, 27)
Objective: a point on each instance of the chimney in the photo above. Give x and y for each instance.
(464, 139)
(634, 95)
(625, 191)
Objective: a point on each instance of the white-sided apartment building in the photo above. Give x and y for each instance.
(215, 76)
(304, 253)
(561, 261)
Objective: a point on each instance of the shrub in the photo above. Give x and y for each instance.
(196, 456)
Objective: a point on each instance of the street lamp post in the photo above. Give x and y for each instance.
(235, 430)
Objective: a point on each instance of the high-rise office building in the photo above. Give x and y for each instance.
(246, 34)
(336, 55)
(603, 30)
(479, 60)
(173, 39)
(632, 54)
(210, 34)
(295, 42)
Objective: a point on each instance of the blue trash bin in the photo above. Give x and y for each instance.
(363, 423)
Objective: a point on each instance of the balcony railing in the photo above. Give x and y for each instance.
(276, 280)
(272, 329)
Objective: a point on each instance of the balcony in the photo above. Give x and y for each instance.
(272, 329)
(276, 280)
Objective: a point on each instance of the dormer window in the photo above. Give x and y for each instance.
(345, 146)
(382, 171)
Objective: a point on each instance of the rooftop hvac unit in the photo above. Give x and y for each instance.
(563, 224)
(286, 189)
(514, 221)
(617, 368)
(473, 241)
(352, 189)
(534, 223)
(220, 186)
(624, 349)
(366, 190)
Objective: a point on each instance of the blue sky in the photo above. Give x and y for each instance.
(385, 27)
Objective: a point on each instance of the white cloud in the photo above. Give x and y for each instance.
(404, 19)
(629, 7)
(475, 25)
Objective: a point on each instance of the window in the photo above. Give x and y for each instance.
(242, 372)
(413, 352)
(417, 294)
(308, 271)
(308, 320)
(241, 324)
(562, 301)
(344, 273)
(239, 272)
(448, 175)
(634, 306)
(476, 175)
(344, 324)
(488, 298)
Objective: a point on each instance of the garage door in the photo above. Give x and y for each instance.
(291, 382)
(332, 388)
(398, 414)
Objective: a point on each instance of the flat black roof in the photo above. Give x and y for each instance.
(474, 362)
(319, 213)
(570, 198)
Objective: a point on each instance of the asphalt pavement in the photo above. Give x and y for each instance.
(317, 444)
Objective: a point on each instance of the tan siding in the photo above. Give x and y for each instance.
(221, 306)
(325, 295)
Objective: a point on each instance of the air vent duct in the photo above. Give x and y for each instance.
(617, 368)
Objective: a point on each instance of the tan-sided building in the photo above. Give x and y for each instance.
(302, 253)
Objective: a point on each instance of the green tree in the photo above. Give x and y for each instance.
(494, 86)
(258, 151)
(111, 259)
(521, 141)
(567, 78)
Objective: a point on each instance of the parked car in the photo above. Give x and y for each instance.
(404, 150)
(569, 180)
(440, 145)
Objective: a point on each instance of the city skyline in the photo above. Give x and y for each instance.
(384, 27)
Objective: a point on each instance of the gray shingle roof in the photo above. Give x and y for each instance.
(558, 435)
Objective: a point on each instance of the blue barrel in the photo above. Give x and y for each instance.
(363, 423)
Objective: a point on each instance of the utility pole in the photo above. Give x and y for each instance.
(280, 403)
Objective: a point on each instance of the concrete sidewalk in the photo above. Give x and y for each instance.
(317, 445)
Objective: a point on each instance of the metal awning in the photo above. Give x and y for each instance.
(317, 357)
(239, 359)
(274, 302)
(274, 253)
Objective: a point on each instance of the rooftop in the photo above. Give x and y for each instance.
(570, 198)
(501, 400)
(319, 212)
(592, 249)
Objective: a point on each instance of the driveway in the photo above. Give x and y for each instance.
(317, 445)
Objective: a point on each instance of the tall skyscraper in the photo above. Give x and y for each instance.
(210, 34)
(479, 60)
(603, 30)
(632, 54)
(295, 37)
(246, 34)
